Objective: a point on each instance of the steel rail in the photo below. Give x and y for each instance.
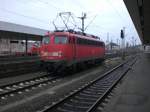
(28, 85)
(24, 81)
(55, 106)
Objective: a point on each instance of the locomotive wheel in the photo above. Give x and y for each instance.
(72, 69)
(83, 66)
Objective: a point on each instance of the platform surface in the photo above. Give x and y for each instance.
(133, 94)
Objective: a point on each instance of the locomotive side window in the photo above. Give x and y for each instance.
(81, 41)
(46, 40)
(60, 40)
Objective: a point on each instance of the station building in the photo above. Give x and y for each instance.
(18, 39)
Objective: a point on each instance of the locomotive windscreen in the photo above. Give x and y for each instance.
(46, 40)
(61, 40)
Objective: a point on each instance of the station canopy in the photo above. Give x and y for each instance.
(140, 13)
(20, 32)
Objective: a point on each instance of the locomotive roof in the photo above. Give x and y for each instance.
(86, 37)
(77, 34)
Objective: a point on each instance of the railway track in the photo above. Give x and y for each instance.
(89, 96)
(17, 59)
(22, 86)
(12, 66)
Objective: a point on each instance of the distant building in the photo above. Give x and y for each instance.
(112, 46)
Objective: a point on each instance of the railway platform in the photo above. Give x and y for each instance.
(133, 93)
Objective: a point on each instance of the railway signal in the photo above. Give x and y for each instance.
(122, 35)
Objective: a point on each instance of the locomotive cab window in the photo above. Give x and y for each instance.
(46, 40)
(60, 40)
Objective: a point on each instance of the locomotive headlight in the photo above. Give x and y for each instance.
(59, 53)
(44, 53)
(54, 53)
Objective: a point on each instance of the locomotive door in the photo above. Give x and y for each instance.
(74, 47)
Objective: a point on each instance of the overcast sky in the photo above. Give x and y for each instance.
(106, 15)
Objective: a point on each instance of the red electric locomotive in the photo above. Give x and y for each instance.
(62, 49)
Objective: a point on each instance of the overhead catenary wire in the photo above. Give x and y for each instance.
(30, 17)
(91, 21)
(25, 16)
(41, 1)
(50, 4)
(120, 16)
